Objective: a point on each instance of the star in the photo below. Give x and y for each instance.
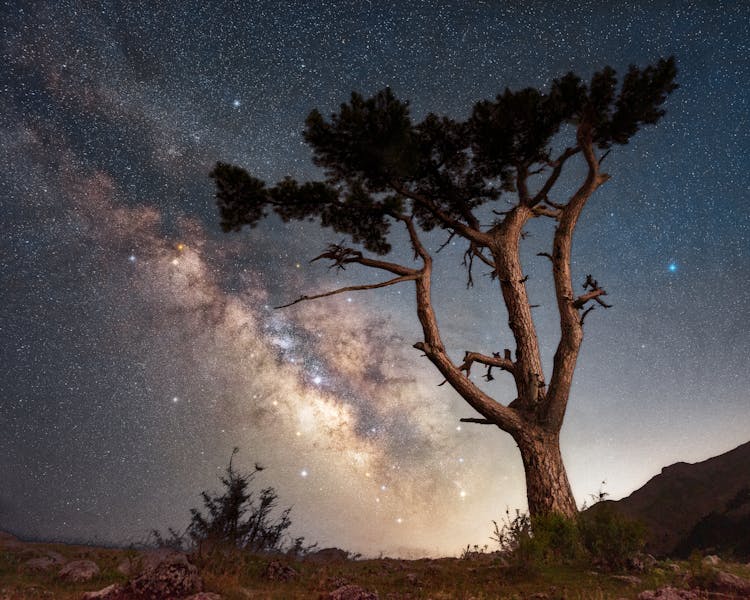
(672, 267)
(236, 103)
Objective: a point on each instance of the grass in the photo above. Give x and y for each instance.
(240, 576)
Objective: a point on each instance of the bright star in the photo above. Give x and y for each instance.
(131, 258)
(303, 472)
(175, 399)
(672, 267)
(317, 380)
(236, 103)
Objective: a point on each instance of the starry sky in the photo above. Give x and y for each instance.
(139, 344)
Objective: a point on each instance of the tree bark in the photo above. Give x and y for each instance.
(547, 487)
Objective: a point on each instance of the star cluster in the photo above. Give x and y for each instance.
(139, 344)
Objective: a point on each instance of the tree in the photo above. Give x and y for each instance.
(383, 170)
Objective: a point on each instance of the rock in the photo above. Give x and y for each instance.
(43, 563)
(412, 578)
(126, 567)
(328, 555)
(204, 596)
(79, 570)
(278, 571)
(674, 567)
(173, 576)
(352, 592)
(151, 559)
(7, 539)
(629, 579)
(108, 593)
(669, 593)
(712, 560)
(726, 582)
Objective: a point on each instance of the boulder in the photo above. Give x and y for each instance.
(669, 593)
(711, 560)
(42, 563)
(111, 592)
(726, 582)
(79, 570)
(629, 579)
(172, 576)
(7, 539)
(352, 592)
(328, 555)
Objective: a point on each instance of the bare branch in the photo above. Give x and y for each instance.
(342, 256)
(585, 312)
(543, 211)
(552, 179)
(592, 295)
(547, 254)
(448, 241)
(505, 363)
(353, 288)
(478, 421)
(450, 222)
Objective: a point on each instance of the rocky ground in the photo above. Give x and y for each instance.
(67, 572)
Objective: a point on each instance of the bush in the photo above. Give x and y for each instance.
(532, 542)
(239, 518)
(609, 537)
(601, 535)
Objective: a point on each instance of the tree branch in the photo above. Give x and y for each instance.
(450, 222)
(592, 295)
(353, 288)
(552, 179)
(341, 255)
(505, 363)
(543, 211)
(478, 421)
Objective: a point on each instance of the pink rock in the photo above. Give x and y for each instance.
(352, 592)
(79, 570)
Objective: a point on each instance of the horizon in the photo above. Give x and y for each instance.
(139, 341)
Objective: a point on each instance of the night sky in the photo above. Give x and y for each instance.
(138, 343)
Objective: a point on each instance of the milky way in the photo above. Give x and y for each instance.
(140, 344)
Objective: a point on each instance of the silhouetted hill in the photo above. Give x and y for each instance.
(704, 505)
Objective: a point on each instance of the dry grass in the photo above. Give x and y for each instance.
(242, 576)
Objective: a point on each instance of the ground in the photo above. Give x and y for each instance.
(478, 576)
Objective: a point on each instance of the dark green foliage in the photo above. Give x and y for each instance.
(238, 518)
(378, 164)
(543, 540)
(609, 537)
(602, 536)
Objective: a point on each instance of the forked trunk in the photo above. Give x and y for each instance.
(547, 486)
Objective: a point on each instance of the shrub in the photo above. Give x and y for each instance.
(601, 535)
(609, 537)
(238, 518)
(532, 542)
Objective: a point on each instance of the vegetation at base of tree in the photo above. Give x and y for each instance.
(238, 518)
(478, 181)
(603, 537)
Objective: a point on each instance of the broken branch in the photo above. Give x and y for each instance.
(352, 288)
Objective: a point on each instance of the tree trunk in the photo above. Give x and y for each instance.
(547, 486)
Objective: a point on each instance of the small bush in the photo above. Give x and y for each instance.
(532, 542)
(237, 519)
(609, 537)
(602, 536)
